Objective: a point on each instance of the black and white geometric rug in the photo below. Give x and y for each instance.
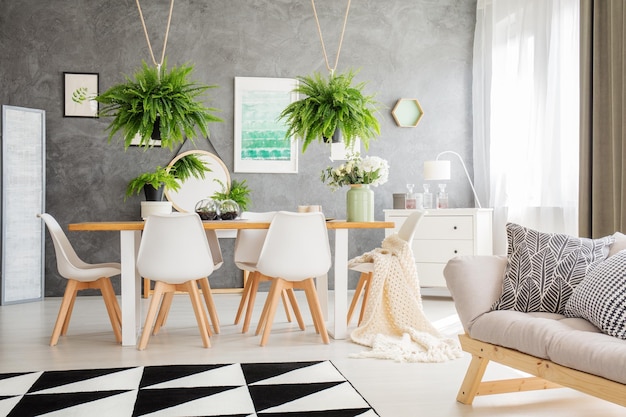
(247, 389)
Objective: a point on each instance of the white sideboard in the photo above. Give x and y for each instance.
(443, 234)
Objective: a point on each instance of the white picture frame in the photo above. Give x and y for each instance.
(260, 144)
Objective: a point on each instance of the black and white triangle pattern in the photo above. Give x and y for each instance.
(247, 389)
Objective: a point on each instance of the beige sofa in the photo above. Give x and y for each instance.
(559, 351)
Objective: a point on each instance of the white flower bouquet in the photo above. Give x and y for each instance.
(370, 170)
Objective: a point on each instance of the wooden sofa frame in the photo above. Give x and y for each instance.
(547, 375)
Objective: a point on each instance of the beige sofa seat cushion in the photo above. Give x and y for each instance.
(527, 332)
(592, 352)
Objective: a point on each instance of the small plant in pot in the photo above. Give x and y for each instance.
(331, 105)
(153, 183)
(232, 200)
(157, 101)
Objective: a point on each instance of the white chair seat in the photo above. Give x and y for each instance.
(367, 267)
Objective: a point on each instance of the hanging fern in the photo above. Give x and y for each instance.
(190, 166)
(168, 95)
(331, 103)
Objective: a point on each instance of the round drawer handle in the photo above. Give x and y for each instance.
(456, 251)
(454, 227)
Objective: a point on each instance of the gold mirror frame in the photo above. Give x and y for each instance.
(195, 189)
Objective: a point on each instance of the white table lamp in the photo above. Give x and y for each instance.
(440, 170)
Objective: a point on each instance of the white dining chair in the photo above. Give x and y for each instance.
(295, 251)
(406, 233)
(205, 286)
(248, 246)
(81, 276)
(174, 252)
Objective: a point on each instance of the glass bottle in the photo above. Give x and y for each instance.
(427, 197)
(410, 202)
(442, 197)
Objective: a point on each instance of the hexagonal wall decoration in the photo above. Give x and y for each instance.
(407, 112)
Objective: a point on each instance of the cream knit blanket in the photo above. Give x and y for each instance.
(394, 324)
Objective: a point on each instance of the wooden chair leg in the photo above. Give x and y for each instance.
(70, 309)
(263, 316)
(357, 294)
(68, 299)
(159, 289)
(116, 305)
(471, 382)
(244, 296)
(198, 309)
(146, 287)
(315, 308)
(294, 304)
(269, 310)
(284, 296)
(108, 295)
(254, 279)
(366, 293)
(210, 304)
(164, 311)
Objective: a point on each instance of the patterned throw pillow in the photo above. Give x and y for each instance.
(601, 297)
(544, 268)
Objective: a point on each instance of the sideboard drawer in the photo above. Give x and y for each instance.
(441, 250)
(445, 227)
(429, 275)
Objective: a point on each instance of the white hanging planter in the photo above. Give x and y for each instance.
(155, 207)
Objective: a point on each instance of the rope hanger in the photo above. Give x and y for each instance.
(167, 31)
(319, 30)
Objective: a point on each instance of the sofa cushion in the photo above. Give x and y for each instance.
(601, 296)
(592, 352)
(526, 332)
(544, 268)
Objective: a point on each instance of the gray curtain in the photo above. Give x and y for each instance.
(603, 122)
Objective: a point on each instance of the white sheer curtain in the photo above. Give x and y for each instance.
(526, 112)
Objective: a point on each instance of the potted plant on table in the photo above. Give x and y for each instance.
(157, 101)
(332, 106)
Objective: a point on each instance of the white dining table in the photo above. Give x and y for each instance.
(130, 237)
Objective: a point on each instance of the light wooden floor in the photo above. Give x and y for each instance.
(393, 389)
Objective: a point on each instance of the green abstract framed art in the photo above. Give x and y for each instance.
(260, 142)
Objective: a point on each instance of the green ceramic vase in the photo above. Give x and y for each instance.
(360, 203)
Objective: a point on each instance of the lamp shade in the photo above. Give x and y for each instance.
(436, 170)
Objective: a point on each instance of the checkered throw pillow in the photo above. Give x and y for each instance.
(544, 268)
(601, 297)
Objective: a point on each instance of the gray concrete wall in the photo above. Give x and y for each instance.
(404, 49)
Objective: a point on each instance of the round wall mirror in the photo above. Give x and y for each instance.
(195, 189)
